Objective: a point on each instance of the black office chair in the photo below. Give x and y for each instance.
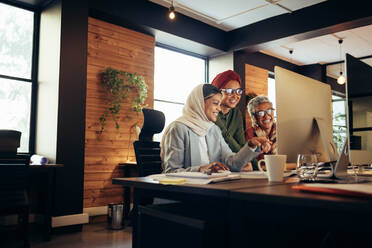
(148, 151)
(14, 200)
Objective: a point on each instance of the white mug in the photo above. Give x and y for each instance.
(275, 165)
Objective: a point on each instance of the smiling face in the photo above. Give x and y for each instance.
(231, 100)
(267, 120)
(212, 107)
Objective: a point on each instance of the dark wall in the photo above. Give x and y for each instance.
(319, 72)
(315, 71)
(71, 108)
(335, 86)
(260, 60)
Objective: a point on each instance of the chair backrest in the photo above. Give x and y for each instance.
(153, 122)
(9, 142)
(148, 157)
(148, 151)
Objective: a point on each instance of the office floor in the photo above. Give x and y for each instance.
(93, 236)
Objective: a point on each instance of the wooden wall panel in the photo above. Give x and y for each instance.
(256, 81)
(123, 49)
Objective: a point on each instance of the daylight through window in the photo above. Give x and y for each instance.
(176, 74)
(16, 49)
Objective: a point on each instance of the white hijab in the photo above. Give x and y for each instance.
(193, 114)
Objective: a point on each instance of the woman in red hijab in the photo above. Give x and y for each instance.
(230, 119)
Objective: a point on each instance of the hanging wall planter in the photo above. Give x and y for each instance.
(118, 85)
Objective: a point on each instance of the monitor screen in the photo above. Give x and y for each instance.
(359, 98)
(300, 101)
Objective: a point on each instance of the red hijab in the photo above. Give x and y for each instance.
(224, 77)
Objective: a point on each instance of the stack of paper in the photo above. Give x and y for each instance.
(194, 177)
(194, 174)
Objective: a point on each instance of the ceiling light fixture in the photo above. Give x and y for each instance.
(171, 12)
(341, 79)
(291, 52)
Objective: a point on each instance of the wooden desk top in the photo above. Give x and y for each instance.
(284, 194)
(218, 189)
(255, 190)
(33, 166)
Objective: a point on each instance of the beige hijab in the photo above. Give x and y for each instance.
(193, 114)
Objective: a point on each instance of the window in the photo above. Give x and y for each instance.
(16, 54)
(339, 121)
(176, 74)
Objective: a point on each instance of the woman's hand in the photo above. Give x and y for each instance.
(213, 167)
(248, 167)
(262, 142)
(266, 147)
(290, 166)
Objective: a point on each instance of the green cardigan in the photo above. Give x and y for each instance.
(231, 126)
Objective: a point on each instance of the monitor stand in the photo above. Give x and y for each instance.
(340, 171)
(326, 139)
(330, 153)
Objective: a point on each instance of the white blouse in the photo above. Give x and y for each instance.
(203, 148)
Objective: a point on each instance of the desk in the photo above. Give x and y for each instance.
(130, 170)
(214, 195)
(44, 175)
(249, 206)
(288, 213)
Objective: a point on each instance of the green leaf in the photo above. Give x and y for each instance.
(118, 84)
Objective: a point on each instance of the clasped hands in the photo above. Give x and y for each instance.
(262, 142)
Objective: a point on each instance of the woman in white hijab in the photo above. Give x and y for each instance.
(194, 143)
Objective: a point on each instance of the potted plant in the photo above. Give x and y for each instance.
(118, 85)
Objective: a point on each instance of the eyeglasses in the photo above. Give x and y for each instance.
(238, 91)
(261, 113)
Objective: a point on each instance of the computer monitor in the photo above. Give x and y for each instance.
(304, 117)
(359, 110)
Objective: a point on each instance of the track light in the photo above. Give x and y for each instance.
(171, 12)
(341, 79)
(291, 52)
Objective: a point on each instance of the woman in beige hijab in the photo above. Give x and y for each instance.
(194, 143)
